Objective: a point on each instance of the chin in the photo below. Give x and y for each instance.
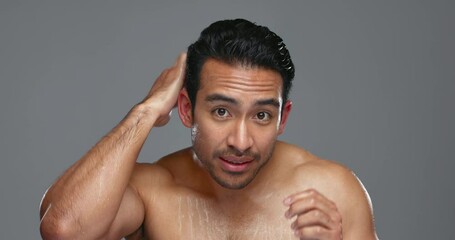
(233, 185)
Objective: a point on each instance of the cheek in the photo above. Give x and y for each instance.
(206, 135)
(212, 135)
(267, 139)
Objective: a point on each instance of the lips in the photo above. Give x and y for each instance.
(235, 164)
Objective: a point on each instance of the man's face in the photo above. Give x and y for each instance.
(236, 121)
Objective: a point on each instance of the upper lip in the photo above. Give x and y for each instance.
(236, 159)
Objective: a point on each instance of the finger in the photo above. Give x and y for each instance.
(308, 202)
(313, 218)
(313, 232)
(177, 71)
(298, 195)
(181, 61)
(171, 77)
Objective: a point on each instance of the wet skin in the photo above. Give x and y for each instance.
(235, 182)
(237, 118)
(231, 184)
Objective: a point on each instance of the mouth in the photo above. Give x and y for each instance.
(235, 164)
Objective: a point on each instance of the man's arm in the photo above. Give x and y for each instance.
(92, 199)
(358, 221)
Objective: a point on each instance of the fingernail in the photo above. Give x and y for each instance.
(287, 201)
(286, 214)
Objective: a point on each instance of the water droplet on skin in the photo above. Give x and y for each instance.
(194, 132)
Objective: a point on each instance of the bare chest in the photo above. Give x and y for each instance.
(189, 217)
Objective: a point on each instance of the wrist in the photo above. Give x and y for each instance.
(143, 114)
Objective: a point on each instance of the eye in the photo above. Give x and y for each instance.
(263, 116)
(221, 112)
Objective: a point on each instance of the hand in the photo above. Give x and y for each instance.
(316, 216)
(163, 94)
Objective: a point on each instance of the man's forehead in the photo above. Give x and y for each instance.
(239, 75)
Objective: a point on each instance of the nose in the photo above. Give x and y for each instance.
(240, 137)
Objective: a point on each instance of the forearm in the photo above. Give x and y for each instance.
(90, 192)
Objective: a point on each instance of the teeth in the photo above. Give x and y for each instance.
(235, 163)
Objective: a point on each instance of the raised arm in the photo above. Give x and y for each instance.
(93, 198)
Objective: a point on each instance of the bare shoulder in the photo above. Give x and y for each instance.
(340, 185)
(335, 181)
(329, 177)
(160, 174)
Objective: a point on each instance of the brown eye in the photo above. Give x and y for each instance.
(263, 116)
(221, 111)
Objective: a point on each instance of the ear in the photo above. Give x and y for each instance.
(185, 109)
(284, 116)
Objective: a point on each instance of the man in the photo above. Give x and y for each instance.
(235, 182)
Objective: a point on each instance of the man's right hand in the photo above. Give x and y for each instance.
(96, 190)
(162, 97)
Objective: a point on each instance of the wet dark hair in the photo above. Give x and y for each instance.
(238, 41)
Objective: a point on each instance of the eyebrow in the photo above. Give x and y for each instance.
(263, 102)
(220, 97)
(272, 101)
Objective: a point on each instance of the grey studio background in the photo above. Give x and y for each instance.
(374, 90)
